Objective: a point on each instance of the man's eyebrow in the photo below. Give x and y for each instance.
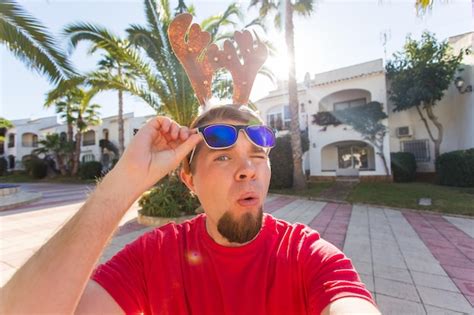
(256, 149)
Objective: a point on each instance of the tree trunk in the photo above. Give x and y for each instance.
(77, 151)
(384, 160)
(436, 141)
(70, 132)
(120, 124)
(61, 166)
(299, 180)
(439, 126)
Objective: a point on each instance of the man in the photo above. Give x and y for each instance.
(231, 260)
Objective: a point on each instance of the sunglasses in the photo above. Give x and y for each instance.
(224, 136)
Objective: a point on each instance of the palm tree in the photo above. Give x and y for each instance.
(171, 85)
(53, 144)
(113, 67)
(422, 6)
(31, 42)
(4, 125)
(304, 8)
(82, 113)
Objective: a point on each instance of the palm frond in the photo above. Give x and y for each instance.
(303, 7)
(30, 41)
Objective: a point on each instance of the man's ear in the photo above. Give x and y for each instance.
(187, 179)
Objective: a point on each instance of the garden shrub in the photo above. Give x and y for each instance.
(38, 168)
(281, 159)
(90, 170)
(3, 166)
(456, 168)
(403, 166)
(169, 198)
(34, 166)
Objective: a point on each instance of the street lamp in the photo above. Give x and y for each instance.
(459, 83)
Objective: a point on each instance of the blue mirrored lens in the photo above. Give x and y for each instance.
(220, 136)
(261, 135)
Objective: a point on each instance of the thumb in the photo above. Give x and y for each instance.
(184, 148)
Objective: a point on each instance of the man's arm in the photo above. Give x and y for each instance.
(53, 280)
(350, 306)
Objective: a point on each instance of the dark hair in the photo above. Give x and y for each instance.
(242, 114)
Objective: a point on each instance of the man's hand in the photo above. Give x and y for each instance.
(156, 150)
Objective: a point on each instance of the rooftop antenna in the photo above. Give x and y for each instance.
(385, 36)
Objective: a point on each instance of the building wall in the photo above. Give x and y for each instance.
(455, 112)
(48, 125)
(372, 87)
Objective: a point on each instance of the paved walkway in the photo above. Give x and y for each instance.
(412, 262)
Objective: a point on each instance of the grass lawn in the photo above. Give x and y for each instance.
(313, 190)
(24, 178)
(444, 199)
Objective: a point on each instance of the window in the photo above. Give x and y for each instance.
(105, 134)
(89, 138)
(349, 104)
(11, 140)
(88, 158)
(279, 118)
(11, 161)
(419, 148)
(353, 156)
(29, 140)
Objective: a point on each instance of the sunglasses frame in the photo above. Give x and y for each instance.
(237, 128)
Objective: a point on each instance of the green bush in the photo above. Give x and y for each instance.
(90, 170)
(38, 168)
(403, 166)
(169, 198)
(3, 166)
(281, 159)
(456, 168)
(34, 166)
(282, 164)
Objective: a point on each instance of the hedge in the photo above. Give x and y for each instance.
(281, 159)
(456, 168)
(403, 166)
(90, 170)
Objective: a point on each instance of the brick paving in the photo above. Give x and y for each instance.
(412, 262)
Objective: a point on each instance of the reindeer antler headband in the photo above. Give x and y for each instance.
(201, 59)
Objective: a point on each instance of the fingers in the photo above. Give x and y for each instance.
(183, 149)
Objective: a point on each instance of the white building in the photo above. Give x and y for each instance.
(23, 138)
(340, 151)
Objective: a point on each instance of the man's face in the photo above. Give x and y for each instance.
(232, 185)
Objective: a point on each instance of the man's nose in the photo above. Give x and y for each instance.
(246, 170)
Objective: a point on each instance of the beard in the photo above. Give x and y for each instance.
(241, 230)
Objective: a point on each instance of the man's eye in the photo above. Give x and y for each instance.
(222, 158)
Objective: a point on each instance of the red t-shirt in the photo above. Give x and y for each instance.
(179, 269)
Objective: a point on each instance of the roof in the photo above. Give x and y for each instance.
(348, 73)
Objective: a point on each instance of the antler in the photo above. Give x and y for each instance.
(200, 59)
(190, 54)
(243, 75)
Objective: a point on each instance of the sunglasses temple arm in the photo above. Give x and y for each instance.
(192, 155)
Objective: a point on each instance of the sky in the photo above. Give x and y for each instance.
(339, 33)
